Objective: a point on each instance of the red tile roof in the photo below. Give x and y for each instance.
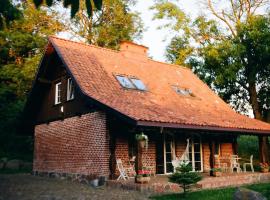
(94, 68)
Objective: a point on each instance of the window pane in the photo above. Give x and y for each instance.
(70, 89)
(138, 83)
(125, 82)
(57, 93)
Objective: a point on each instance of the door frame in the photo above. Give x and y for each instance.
(193, 155)
(164, 151)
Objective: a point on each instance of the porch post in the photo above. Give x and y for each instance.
(139, 156)
(212, 156)
(235, 146)
(263, 148)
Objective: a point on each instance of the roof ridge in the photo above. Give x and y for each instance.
(171, 64)
(116, 51)
(85, 44)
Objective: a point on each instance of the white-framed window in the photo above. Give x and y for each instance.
(57, 98)
(138, 84)
(125, 82)
(70, 89)
(131, 82)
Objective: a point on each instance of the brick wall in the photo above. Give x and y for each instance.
(226, 149)
(206, 157)
(149, 156)
(180, 147)
(74, 145)
(121, 152)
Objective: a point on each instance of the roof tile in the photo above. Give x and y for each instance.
(94, 69)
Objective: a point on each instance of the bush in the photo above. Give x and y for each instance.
(185, 177)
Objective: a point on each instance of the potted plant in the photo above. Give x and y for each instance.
(142, 140)
(264, 167)
(93, 180)
(143, 176)
(217, 172)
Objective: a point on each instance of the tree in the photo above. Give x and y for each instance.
(22, 44)
(185, 177)
(8, 13)
(230, 52)
(114, 23)
(75, 5)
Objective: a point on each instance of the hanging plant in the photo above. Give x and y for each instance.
(142, 139)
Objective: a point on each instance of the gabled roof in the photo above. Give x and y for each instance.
(94, 70)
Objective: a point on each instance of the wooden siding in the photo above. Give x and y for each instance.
(47, 110)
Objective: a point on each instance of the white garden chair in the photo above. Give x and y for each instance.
(250, 164)
(235, 164)
(123, 175)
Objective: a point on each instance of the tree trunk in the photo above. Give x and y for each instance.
(263, 140)
(254, 101)
(263, 149)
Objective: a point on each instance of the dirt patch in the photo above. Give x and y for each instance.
(26, 186)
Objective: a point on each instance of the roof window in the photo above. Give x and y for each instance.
(183, 91)
(125, 82)
(131, 82)
(138, 84)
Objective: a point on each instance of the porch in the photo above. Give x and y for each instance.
(167, 145)
(160, 183)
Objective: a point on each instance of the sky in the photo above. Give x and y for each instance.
(155, 39)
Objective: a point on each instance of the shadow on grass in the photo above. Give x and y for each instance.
(215, 194)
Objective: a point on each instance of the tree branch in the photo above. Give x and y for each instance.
(221, 17)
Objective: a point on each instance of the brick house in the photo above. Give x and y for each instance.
(87, 103)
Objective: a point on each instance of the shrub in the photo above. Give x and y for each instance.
(185, 177)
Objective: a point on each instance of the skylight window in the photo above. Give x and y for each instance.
(125, 82)
(183, 91)
(138, 84)
(131, 82)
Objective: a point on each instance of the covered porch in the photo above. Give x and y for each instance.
(166, 145)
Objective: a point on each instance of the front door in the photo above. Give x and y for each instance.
(165, 152)
(195, 154)
(168, 153)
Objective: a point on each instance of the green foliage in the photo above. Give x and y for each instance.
(23, 42)
(8, 13)
(215, 194)
(248, 145)
(74, 4)
(185, 177)
(229, 52)
(107, 28)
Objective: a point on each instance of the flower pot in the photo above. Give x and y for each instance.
(142, 179)
(142, 143)
(217, 174)
(94, 182)
(264, 170)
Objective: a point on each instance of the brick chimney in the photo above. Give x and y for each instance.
(130, 49)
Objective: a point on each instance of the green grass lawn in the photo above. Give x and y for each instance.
(217, 194)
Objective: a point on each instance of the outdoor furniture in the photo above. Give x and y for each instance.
(250, 164)
(184, 159)
(235, 164)
(123, 174)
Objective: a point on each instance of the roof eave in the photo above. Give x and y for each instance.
(204, 127)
